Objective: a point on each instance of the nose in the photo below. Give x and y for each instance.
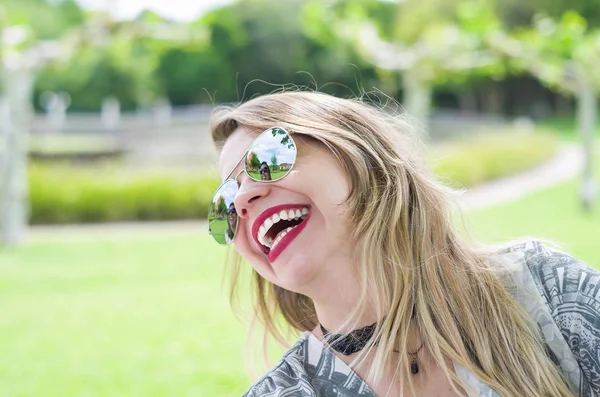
(248, 194)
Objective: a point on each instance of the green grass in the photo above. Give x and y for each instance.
(218, 228)
(132, 316)
(118, 317)
(274, 174)
(555, 213)
(566, 127)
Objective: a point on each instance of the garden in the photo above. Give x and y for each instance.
(118, 289)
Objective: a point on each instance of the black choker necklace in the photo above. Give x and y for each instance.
(351, 343)
(356, 340)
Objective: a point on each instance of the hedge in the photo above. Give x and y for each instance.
(62, 194)
(492, 156)
(67, 194)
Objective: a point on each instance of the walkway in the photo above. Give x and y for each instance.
(564, 166)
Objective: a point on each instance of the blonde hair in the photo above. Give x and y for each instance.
(417, 263)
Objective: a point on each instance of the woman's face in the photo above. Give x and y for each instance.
(265, 173)
(231, 218)
(317, 246)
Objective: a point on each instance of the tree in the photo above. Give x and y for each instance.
(253, 161)
(267, 44)
(274, 162)
(20, 57)
(221, 206)
(192, 74)
(430, 42)
(564, 56)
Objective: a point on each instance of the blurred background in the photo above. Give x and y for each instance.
(109, 283)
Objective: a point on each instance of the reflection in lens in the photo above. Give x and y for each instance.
(271, 156)
(222, 215)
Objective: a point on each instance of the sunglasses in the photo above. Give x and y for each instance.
(274, 146)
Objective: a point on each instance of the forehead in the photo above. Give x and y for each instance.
(234, 149)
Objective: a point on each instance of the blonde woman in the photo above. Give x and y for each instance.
(353, 246)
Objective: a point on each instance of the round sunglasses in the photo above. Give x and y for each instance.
(270, 157)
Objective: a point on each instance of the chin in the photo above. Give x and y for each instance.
(295, 274)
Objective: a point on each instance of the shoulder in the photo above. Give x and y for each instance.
(562, 279)
(570, 290)
(287, 377)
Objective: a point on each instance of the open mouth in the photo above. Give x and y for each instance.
(280, 225)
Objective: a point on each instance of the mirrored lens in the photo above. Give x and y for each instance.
(271, 156)
(222, 215)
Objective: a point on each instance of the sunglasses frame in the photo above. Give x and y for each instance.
(229, 178)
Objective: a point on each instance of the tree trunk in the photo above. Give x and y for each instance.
(587, 107)
(417, 100)
(468, 103)
(14, 192)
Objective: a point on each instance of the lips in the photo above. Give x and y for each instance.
(275, 228)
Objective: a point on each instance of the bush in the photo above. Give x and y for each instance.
(61, 194)
(491, 156)
(65, 194)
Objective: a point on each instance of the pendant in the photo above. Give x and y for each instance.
(414, 368)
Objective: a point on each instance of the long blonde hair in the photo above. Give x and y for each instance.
(414, 265)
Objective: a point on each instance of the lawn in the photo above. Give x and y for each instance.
(555, 213)
(274, 174)
(118, 317)
(566, 127)
(146, 316)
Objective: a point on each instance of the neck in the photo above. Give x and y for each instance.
(337, 298)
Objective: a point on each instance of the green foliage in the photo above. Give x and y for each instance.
(192, 74)
(253, 161)
(252, 47)
(48, 20)
(561, 53)
(62, 194)
(122, 68)
(300, 51)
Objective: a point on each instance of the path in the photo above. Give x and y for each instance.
(564, 166)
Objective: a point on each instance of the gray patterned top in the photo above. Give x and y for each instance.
(561, 293)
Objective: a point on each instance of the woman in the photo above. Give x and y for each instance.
(354, 247)
(265, 171)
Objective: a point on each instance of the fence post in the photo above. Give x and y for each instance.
(586, 119)
(111, 113)
(15, 118)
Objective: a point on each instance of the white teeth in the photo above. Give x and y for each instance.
(261, 239)
(281, 235)
(268, 223)
(278, 239)
(282, 215)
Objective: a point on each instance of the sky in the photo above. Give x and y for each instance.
(267, 146)
(181, 10)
